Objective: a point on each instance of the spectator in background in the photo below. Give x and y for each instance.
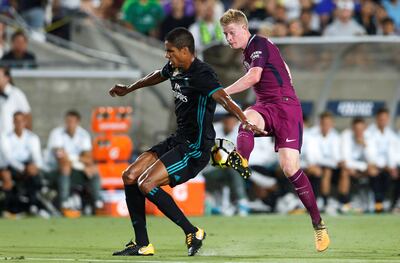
(366, 17)
(354, 162)
(176, 18)
(12, 99)
(215, 176)
(3, 42)
(393, 10)
(19, 56)
(69, 150)
(380, 15)
(22, 152)
(267, 180)
(292, 8)
(206, 30)
(280, 14)
(324, 10)
(143, 16)
(310, 22)
(295, 28)
(382, 155)
(344, 24)
(325, 155)
(189, 9)
(32, 12)
(280, 29)
(6, 184)
(388, 27)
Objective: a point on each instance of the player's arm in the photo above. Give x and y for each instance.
(252, 77)
(150, 80)
(226, 101)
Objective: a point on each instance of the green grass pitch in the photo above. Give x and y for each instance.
(273, 238)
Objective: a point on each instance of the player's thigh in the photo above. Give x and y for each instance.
(137, 168)
(255, 118)
(155, 176)
(289, 160)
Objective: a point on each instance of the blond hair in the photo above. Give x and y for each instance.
(233, 16)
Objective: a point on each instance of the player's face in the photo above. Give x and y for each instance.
(236, 35)
(326, 125)
(382, 120)
(71, 123)
(358, 129)
(4, 80)
(19, 122)
(175, 55)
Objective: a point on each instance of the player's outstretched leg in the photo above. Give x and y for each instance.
(164, 202)
(237, 159)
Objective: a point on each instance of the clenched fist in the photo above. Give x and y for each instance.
(119, 90)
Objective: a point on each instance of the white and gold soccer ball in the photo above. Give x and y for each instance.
(220, 152)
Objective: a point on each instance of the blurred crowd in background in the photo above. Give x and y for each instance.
(272, 18)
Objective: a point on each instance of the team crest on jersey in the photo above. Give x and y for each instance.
(255, 55)
(177, 92)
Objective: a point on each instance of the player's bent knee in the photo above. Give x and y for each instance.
(289, 168)
(145, 186)
(129, 177)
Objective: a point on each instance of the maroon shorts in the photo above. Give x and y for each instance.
(284, 122)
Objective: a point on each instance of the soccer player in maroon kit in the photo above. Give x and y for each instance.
(277, 111)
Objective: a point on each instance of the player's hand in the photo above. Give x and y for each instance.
(253, 128)
(119, 90)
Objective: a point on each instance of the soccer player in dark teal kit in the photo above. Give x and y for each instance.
(277, 111)
(182, 156)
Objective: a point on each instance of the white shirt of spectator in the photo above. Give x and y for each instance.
(324, 151)
(263, 153)
(20, 150)
(71, 4)
(382, 147)
(219, 132)
(73, 146)
(354, 155)
(338, 28)
(16, 101)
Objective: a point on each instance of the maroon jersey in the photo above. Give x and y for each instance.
(275, 84)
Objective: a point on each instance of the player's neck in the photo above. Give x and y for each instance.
(248, 37)
(187, 64)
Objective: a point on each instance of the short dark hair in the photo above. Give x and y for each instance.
(18, 33)
(357, 120)
(382, 111)
(7, 73)
(180, 37)
(18, 113)
(387, 20)
(73, 113)
(326, 114)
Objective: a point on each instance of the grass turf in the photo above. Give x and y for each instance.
(368, 238)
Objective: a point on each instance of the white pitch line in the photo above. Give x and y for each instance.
(79, 260)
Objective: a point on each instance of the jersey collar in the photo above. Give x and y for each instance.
(250, 39)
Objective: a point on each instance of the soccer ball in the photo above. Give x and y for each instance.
(220, 152)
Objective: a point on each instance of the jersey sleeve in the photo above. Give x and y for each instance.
(166, 71)
(259, 54)
(207, 82)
